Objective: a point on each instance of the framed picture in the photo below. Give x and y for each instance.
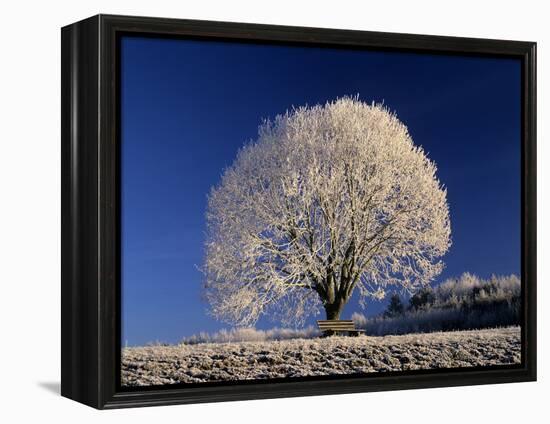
(253, 211)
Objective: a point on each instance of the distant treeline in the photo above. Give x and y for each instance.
(463, 303)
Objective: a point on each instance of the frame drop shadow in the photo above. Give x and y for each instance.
(51, 386)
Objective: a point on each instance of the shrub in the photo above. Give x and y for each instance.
(359, 319)
(395, 308)
(251, 335)
(423, 299)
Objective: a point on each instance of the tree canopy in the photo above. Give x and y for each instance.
(329, 200)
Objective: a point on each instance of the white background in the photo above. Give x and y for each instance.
(30, 211)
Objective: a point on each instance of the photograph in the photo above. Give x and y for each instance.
(294, 212)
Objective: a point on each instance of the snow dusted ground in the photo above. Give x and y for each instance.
(142, 366)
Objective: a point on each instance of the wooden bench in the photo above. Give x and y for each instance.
(342, 326)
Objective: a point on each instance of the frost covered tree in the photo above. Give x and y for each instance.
(328, 201)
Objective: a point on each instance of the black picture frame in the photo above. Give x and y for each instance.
(90, 181)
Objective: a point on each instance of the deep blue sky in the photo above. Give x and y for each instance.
(187, 107)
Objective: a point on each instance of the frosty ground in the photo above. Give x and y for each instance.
(159, 365)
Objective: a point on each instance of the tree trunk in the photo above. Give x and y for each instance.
(333, 310)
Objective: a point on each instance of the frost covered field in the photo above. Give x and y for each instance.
(156, 365)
